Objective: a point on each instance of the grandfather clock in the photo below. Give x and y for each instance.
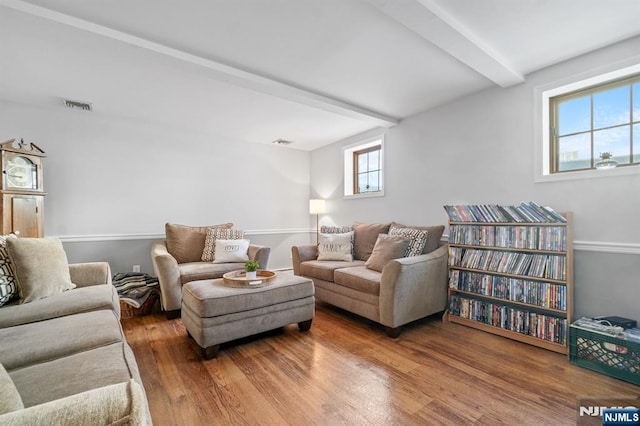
(22, 189)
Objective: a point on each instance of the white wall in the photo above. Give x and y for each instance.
(479, 149)
(112, 178)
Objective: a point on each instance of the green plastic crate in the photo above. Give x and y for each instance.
(605, 354)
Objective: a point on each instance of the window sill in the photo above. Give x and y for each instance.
(367, 195)
(588, 174)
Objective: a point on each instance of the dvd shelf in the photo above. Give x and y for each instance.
(511, 272)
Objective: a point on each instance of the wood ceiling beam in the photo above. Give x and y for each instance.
(220, 71)
(431, 22)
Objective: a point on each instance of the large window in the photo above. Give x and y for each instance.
(363, 168)
(595, 123)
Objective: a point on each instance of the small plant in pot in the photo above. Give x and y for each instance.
(605, 155)
(251, 268)
(606, 161)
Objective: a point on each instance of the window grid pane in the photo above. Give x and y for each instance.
(636, 143)
(616, 141)
(578, 116)
(635, 99)
(374, 160)
(575, 152)
(611, 107)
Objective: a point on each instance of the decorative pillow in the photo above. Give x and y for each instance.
(324, 229)
(417, 239)
(229, 251)
(8, 286)
(387, 247)
(185, 243)
(10, 399)
(433, 238)
(213, 234)
(41, 267)
(335, 247)
(366, 235)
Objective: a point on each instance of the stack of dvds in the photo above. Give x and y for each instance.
(541, 326)
(522, 213)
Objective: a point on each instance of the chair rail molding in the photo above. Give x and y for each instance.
(607, 247)
(160, 236)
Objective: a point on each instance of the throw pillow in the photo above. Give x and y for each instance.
(10, 399)
(229, 251)
(213, 234)
(41, 267)
(324, 229)
(433, 238)
(185, 243)
(417, 239)
(387, 247)
(366, 235)
(8, 286)
(335, 247)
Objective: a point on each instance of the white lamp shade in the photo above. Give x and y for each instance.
(317, 206)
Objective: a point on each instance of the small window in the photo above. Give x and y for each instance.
(595, 126)
(367, 168)
(363, 168)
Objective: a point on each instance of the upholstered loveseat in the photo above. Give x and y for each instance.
(64, 359)
(178, 259)
(376, 283)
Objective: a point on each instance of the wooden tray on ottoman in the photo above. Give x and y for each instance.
(239, 279)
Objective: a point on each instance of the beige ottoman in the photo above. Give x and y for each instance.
(215, 313)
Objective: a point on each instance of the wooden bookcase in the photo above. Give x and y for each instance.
(514, 279)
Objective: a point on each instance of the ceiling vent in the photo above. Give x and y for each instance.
(85, 106)
(282, 142)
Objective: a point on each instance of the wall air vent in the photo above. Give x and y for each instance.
(85, 106)
(282, 142)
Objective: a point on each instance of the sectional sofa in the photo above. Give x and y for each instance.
(64, 359)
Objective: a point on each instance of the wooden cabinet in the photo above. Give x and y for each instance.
(22, 207)
(23, 215)
(513, 279)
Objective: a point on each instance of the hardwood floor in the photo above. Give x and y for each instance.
(346, 371)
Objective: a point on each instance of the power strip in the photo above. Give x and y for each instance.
(599, 325)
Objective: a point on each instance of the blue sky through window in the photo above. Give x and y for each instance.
(369, 171)
(636, 102)
(575, 116)
(610, 111)
(611, 107)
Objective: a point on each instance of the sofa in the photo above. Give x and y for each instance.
(375, 278)
(64, 358)
(187, 254)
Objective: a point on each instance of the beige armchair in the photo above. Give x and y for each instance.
(176, 261)
(406, 290)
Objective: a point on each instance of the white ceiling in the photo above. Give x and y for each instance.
(309, 71)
